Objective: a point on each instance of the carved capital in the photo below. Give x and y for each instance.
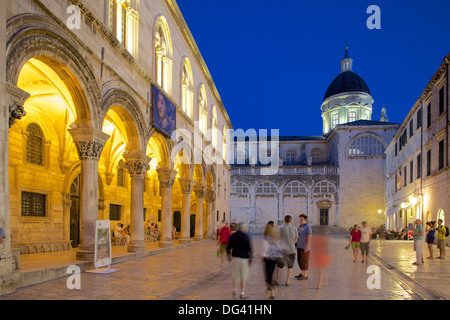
(89, 149)
(16, 112)
(186, 185)
(200, 191)
(166, 177)
(210, 195)
(137, 164)
(89, 142)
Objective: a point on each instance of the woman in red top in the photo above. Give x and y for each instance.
(355, 241)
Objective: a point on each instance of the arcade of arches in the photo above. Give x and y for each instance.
(65, 174)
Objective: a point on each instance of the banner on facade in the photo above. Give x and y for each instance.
(164, 112)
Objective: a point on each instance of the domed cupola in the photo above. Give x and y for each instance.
(347, 99)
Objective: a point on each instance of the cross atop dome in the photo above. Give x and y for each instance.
(347, 62)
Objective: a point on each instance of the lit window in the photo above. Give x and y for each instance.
(295, 187)
(239, 188)
(163, 50)
(324, 187)
(366, 146)
(352, 116)
(335, 120)
(224, 143)
(203, 110)
(124, 24)
(187, 93)
(35, 145)
(214, 128)
(266, 188)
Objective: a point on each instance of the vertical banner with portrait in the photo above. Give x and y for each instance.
(165, 112)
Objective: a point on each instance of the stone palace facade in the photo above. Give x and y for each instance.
(79, 137)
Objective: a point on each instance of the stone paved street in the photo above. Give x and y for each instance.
(195, 273)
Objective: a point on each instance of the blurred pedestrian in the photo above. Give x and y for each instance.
(430, 231)
(224, 237)
(366, 235)
(239, 251)
(418, 232)
(442, 231)
(271, 255)
(321, 258)
(303, 247)
(355, 241)
(288, 238)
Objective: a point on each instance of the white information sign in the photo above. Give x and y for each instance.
(103, 255)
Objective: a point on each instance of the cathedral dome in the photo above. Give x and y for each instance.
(347, 81)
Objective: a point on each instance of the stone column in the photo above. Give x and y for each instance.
(186, 190)
(200, 193)
(12, 100)
(137, 165)
(89, 143)
(210, 216)
(167, 178)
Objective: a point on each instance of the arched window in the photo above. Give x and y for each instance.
(441, 216)
(239, 188)
(224, 143)
(163, 52)
(203, 110)
(187, 89)
(295, 187)
(266, 188)
(214, 127)
(124, 23)
(121, 174)
(35, 145)
(324, 187)
(366, 145)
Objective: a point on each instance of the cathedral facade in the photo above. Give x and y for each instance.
(336, 179)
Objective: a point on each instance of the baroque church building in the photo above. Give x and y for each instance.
(336, 179)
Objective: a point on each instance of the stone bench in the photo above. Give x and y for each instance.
(42, 246)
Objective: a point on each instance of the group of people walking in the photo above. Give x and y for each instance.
(279, 250)
(360, 239)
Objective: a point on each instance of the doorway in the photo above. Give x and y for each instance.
(75, 212)
(324, 217)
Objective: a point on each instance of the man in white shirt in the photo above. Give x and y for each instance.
(366, 234)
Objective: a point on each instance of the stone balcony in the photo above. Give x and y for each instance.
(285, 170)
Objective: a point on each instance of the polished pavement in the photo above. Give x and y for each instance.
(195, 272)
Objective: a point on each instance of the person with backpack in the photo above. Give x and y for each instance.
(442, 234)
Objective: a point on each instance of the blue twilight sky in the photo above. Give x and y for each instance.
(272, 61)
